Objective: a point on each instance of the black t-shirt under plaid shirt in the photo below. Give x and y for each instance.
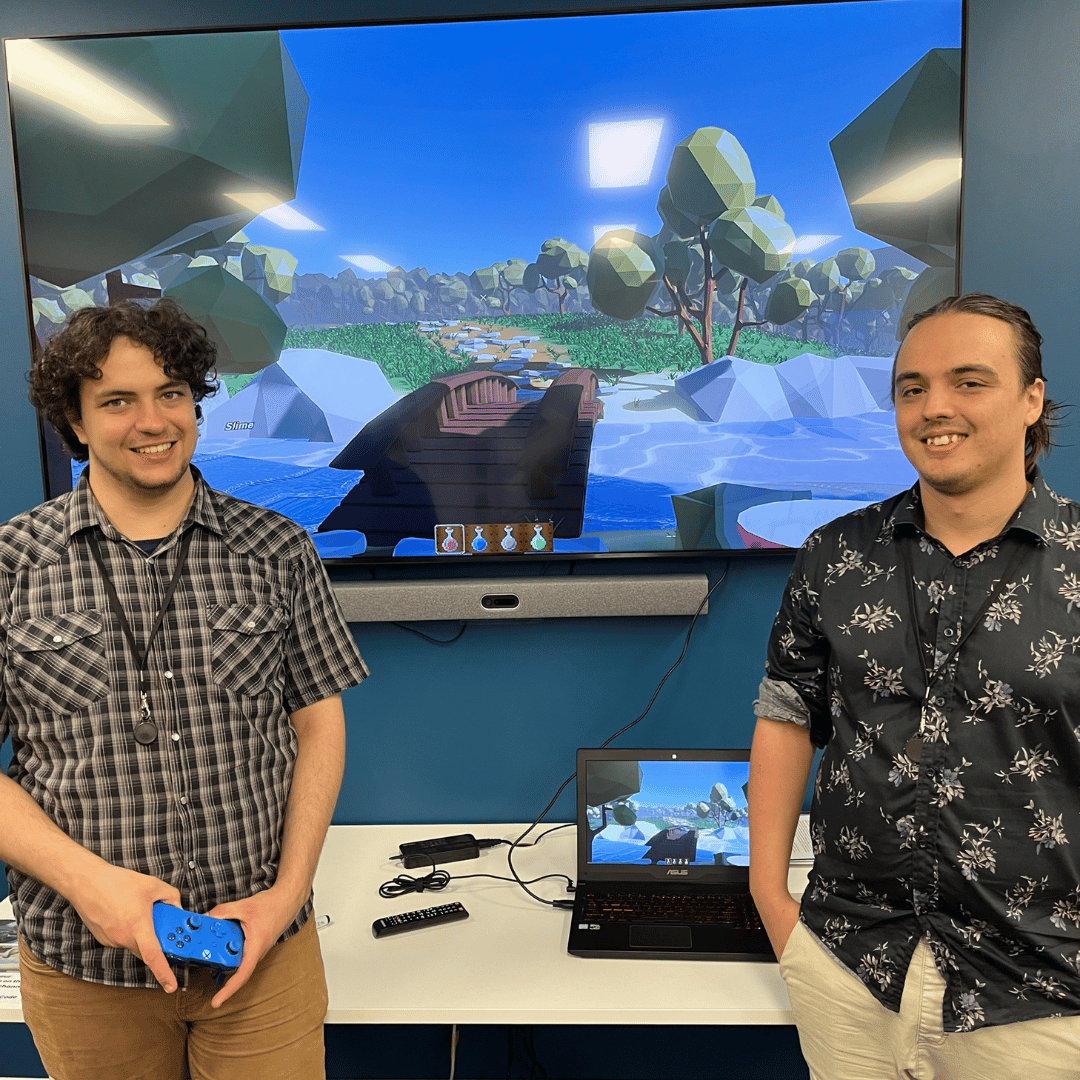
(975, 844)
(253, 634)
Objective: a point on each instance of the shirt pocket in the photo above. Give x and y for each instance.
(246, 646)
(59, 660)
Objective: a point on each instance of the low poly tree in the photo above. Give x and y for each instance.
(511, 277)
(625, 268)
(854, 264)
(560, 267)
(710, 206)
(485, 283)
(824, 278)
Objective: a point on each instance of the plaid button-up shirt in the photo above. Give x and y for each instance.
(253, 633)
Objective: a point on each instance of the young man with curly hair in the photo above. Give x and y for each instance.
(171, 664)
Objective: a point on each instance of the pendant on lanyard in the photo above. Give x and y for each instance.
(146, 731)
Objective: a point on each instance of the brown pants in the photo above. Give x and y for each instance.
(272, 1027)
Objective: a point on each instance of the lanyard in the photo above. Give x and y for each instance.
(145, 730)
(931, 674)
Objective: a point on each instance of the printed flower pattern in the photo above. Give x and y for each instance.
(951, 809)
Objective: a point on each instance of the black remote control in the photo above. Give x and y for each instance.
(413, 920)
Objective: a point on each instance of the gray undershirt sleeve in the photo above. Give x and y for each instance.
(780, 701)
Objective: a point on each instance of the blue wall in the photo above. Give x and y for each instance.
(484, 729)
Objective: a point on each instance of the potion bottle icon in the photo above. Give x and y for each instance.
(508, 543)
(537, 543)
(478, 543)
(449, 541)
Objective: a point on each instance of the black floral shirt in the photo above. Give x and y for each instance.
(955, 812)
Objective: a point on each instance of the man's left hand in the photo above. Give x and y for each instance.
(263, 918)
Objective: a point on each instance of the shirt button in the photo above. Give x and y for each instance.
(251, 626)
(175, 737)
(168, 674)
(57, 638)
(183, 800)
(948, 632)
(191, 865)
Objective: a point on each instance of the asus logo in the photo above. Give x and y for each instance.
(681, 873)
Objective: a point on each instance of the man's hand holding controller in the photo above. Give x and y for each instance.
(117, 907)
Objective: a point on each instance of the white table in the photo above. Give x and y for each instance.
(507, 963)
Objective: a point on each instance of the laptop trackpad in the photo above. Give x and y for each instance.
(660, 937)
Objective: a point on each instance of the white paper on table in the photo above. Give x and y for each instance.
(9, 988)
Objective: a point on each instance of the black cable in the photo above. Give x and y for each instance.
(562, 787)
(437, 880)
(434, 640)
(554, 828)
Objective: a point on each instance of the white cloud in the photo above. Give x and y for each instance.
(371, 263)
(811, 242)
(622, 153)
(288, 218)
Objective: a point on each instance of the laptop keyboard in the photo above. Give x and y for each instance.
(696, 908)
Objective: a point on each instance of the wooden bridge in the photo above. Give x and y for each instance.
(465, 449)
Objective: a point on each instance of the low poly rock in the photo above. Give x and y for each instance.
(807, 386)
(915, 121)
(271, 406)
(95, 200)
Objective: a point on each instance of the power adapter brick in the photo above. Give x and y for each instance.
(441, 849)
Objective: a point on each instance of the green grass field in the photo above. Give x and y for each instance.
(608, 346)
(406, 358)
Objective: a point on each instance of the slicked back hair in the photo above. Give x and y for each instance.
(78, 349)
(1039, 438)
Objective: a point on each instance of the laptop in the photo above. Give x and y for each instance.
(663, 857)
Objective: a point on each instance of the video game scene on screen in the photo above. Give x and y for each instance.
(668, 813)
(651, 303)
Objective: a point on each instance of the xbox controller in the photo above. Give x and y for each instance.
(190, 938)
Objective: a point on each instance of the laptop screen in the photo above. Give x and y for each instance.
(651, 809)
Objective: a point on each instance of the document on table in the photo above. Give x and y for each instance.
(802, 849)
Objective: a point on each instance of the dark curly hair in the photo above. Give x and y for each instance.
(77, 350)
(1040, 436)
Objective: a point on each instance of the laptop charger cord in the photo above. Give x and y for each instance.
(466, 847)
(437, 880)
(519, 842)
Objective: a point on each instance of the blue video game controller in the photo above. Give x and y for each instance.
(190, 938)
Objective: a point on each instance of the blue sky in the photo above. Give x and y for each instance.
(454, 145)
(677, 782)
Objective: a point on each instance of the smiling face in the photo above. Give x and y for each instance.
(962, 411)
(139, 425)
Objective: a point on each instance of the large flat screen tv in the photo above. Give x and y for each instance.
(563, 286)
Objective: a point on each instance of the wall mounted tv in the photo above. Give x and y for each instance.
(575, 285)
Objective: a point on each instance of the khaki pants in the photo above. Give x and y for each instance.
(272, 1027)
(847, 1035)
